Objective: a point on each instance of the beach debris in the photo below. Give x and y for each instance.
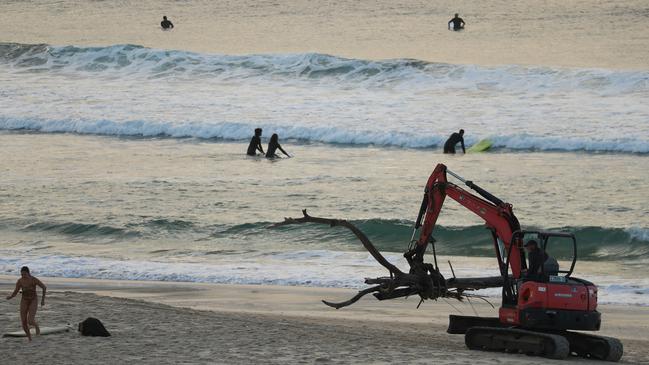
(93, 327)
(423, 279)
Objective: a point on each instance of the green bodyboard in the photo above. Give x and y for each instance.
(481, 146)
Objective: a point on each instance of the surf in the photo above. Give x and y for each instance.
(390, 235)
(134, 91)
(130, 60)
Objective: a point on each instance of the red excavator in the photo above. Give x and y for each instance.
(538, 309)
(536, 313)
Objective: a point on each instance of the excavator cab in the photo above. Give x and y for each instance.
(550, 300)
(553, 244)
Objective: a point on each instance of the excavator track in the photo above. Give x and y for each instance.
(550, 345)
(517, 341)
(594, 347)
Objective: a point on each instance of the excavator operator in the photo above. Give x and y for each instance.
(536, 258)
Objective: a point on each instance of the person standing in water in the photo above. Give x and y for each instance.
(449, 146)
(458, 23)
(29, 301)
(273, 145)
(166, 24)
(255, 144)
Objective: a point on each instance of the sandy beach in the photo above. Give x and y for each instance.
(187, 323)
(129, 181)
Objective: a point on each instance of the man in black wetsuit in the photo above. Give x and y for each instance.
(458, 23)
(536, 258)
(166, 24)
(449, 146)
(255, 144)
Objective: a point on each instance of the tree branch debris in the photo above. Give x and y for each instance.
(422, 279)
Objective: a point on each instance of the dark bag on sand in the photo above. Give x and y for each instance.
(93, 327)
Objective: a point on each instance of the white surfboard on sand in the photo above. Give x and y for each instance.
(44, 331)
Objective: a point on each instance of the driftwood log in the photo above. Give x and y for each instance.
(422, 279)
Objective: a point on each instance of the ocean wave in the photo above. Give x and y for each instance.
(593, 243)
(238, 271)
(130, 61)
(80, 230)
(88, 231)
(388, 235)
(331, 135)
(319, 268)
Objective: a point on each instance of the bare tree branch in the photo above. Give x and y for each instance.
(423, 279)
(343, 223)
(354, 299)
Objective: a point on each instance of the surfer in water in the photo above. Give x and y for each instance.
(166, 24)
(449, 146)
(29, 301)
(273, 145)
(458, 23)
(255, 144)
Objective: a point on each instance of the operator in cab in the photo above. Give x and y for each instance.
(540, 264)
(535, 257)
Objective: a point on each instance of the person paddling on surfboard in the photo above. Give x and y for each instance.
(166, 24)
(458, 23)
(449, 146)
(255, 144)
(273, 145)
(29, 301)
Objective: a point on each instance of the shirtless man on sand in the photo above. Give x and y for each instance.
(29, 301)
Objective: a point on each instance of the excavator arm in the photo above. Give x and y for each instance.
(425, 279)
(497, 215)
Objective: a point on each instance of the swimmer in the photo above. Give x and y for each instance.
(29, 300)
(273, 145)
(166, 24)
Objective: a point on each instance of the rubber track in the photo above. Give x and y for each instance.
(595, 347)
(516, 340)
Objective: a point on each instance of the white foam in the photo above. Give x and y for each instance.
(319, 268)
(130, 61)
(309, 271)
(135, 91)
(640, 234)
(241, 131)
(568, 143)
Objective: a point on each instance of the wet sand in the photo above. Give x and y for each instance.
(163, 322)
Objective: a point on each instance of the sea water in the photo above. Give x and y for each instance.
(123, 153)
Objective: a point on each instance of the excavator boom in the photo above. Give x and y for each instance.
(497, 215)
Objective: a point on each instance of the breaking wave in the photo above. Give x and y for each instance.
(136, 61)
(389, 235)
(130, 90)
(332, 135)
(306, 268)
(593, 243)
